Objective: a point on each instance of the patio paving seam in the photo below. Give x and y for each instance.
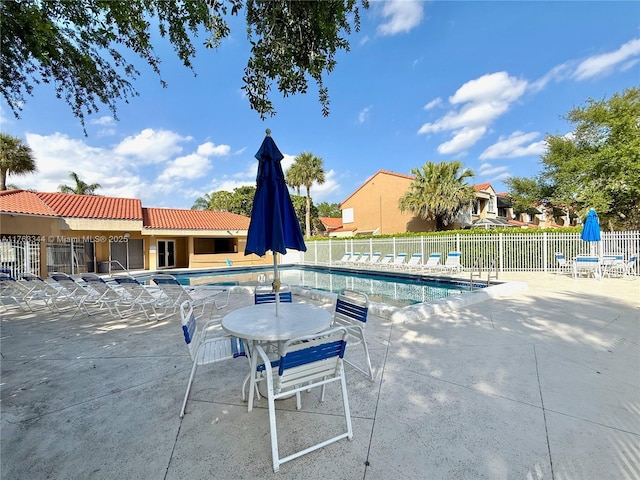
(544, 413)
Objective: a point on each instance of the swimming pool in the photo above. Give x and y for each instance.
(396, 289)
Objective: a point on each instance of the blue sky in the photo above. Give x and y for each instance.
(479, 82)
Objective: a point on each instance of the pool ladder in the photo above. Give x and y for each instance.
(476, 271)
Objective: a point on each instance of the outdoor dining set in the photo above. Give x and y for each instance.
(607, 265)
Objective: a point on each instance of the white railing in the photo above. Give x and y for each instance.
(533, 252)
(19, 256)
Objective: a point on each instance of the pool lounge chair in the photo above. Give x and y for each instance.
(345, 258)
(386, 260)
(433, 262)
(364, 259)
(399, 261)
(44, 291)
(148, 299)
(452, 263)
(414, 263)
(82, 297)
(175, 294)
(115, 302)
(11, 291)
(374, 260)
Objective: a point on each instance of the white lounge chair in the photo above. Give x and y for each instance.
(433, 262)
(82, 297)
(374, 260)
(452, 263)
(175, 293)
(387, 260)
(399, 261)
(364, 259)
(414, 262)
(345, 258)
(305, 363)
(144, 297)
(116, 303)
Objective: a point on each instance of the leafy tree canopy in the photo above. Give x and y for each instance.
(598, 164)
(16, 158)
(239, 201)
(81, 47)
(331, 210)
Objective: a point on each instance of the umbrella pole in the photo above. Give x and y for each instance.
(276, 281)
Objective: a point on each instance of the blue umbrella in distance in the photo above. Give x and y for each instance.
(591, 228)
(274, 224)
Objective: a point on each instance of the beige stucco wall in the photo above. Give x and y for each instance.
(375, 206)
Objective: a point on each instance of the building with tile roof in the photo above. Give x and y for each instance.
(89, 233)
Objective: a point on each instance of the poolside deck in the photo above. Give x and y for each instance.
(544, 383)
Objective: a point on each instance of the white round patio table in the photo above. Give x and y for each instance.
(259, 323)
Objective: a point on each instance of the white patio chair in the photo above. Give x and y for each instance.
(353, 258)
(265, 294)
(175, 294)
(610, 263)
(144, 297)
(305, 363)
(587, 265)
(433, 262)
(563, 265)
(624, 268)
(399, 261)
(205, 350)
(351, 312)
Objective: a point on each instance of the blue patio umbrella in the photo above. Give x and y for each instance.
(274, 224)
(591, 228)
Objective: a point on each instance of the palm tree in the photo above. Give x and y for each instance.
(294, 177)
(16, 158)
(308, 169)
(439, 192)
(81, 188)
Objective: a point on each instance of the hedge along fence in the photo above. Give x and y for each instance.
(510, 251)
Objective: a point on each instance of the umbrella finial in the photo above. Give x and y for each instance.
(268, 132)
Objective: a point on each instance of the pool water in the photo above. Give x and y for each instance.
(391, 288)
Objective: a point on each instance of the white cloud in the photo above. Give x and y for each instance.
(475, 106)
(363, 116)
(486, 169)
(209, 149)
(188, 167)
(402, 15)
(151, 146)
(623, 58)
(104, 121)
(320, 192)
(433, 103)
(462, 139)
(518, 144)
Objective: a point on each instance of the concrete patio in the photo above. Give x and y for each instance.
(543, 384)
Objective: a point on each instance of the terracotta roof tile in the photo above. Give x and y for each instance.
(331, 222)
(24, 201)
(93, 206)
(181, 219)
(482, 186)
